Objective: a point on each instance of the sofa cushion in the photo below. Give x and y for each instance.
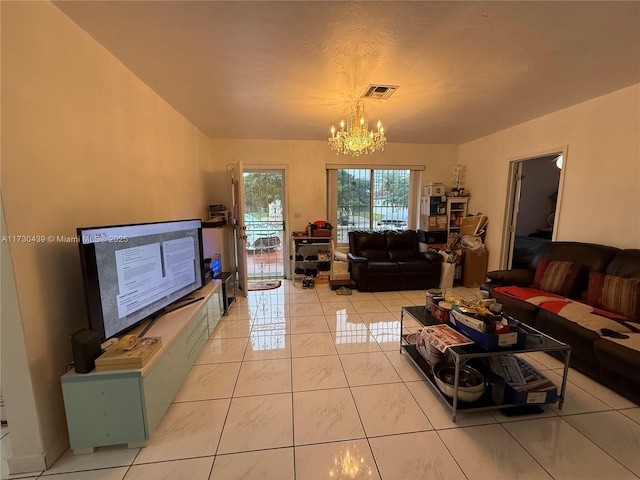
(520, 277)
(620, 355)
(402, 245)
(383, 268)
(592, 258)
(373, 254)
(366, 240)
(416, 267)
(555, 276)
(615, 294)
(625, 263)
(579, 337)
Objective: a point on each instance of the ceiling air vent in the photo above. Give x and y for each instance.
(379, 92)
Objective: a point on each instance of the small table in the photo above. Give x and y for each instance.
(536, 342)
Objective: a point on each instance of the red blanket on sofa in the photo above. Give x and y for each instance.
(585, 315)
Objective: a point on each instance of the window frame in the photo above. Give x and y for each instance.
(415, 180)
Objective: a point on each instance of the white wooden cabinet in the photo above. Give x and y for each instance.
(126, 406)
(457, 208)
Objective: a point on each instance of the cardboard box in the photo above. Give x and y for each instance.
(433, 222)
(473, 225)
(475, 267)
(492, 342)
(539, 389)
(434, 189)
(321, 232)
(437, 222)
(530, 398)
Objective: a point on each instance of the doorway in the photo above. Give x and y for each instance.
(534, 192)
(264, 223)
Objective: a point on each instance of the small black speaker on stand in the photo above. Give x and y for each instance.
(85, 347)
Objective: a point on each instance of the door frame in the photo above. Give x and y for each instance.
(513, 192)
(236, 195)
(281, 169)
(267, 168)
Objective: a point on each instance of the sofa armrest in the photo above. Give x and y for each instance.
(520, 277)
(431, 257)
(356, 258)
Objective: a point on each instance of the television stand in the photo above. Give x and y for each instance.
(228, 289)
(126, 406)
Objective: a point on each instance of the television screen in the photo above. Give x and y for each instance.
(132, 272)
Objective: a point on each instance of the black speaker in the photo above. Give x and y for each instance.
(85, 347)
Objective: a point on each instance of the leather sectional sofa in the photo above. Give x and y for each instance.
(605, 338)
(391, 260)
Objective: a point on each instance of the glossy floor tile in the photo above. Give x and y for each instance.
(264, 377)
(414, 455)
(208, 382)
(317, 373)
(188, 430)
(368, 369)
(306, 384)
(615, 433)
(564, 452)
(261, 464)
(325, 416)
(197, 468)
(488, 451)
(388, 409)
(257, 423)
(352, 459)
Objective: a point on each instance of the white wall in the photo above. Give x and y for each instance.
(306, 164)
(84, 142)
(15, 370)
(601, 196)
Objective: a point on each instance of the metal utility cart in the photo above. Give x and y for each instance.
(536, 341)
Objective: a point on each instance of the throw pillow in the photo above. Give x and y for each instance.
(555, 276)
(615, 294)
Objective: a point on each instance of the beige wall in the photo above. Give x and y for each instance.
(306, 164)
(84, 142)
(601, 197)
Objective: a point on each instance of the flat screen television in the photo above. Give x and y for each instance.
(134, 272)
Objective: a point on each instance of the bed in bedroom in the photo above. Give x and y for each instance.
(525, 248)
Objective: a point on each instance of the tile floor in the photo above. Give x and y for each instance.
(298, 383)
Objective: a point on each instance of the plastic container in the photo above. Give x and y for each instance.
(440, 311)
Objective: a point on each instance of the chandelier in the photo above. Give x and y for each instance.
(357, 139)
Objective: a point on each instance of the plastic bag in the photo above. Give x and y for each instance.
(446, 277)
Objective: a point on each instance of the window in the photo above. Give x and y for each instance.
(370, 199)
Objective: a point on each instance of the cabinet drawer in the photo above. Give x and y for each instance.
(159, 387)
(185, 342)
(192, 332)
(162, 382)
(214, 310)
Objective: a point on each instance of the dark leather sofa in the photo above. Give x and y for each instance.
(612, 361)
(391, 260)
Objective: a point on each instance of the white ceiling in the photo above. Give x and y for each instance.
(290, 69)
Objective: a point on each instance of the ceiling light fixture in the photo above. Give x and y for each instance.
(559, 161)
(357, 139)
